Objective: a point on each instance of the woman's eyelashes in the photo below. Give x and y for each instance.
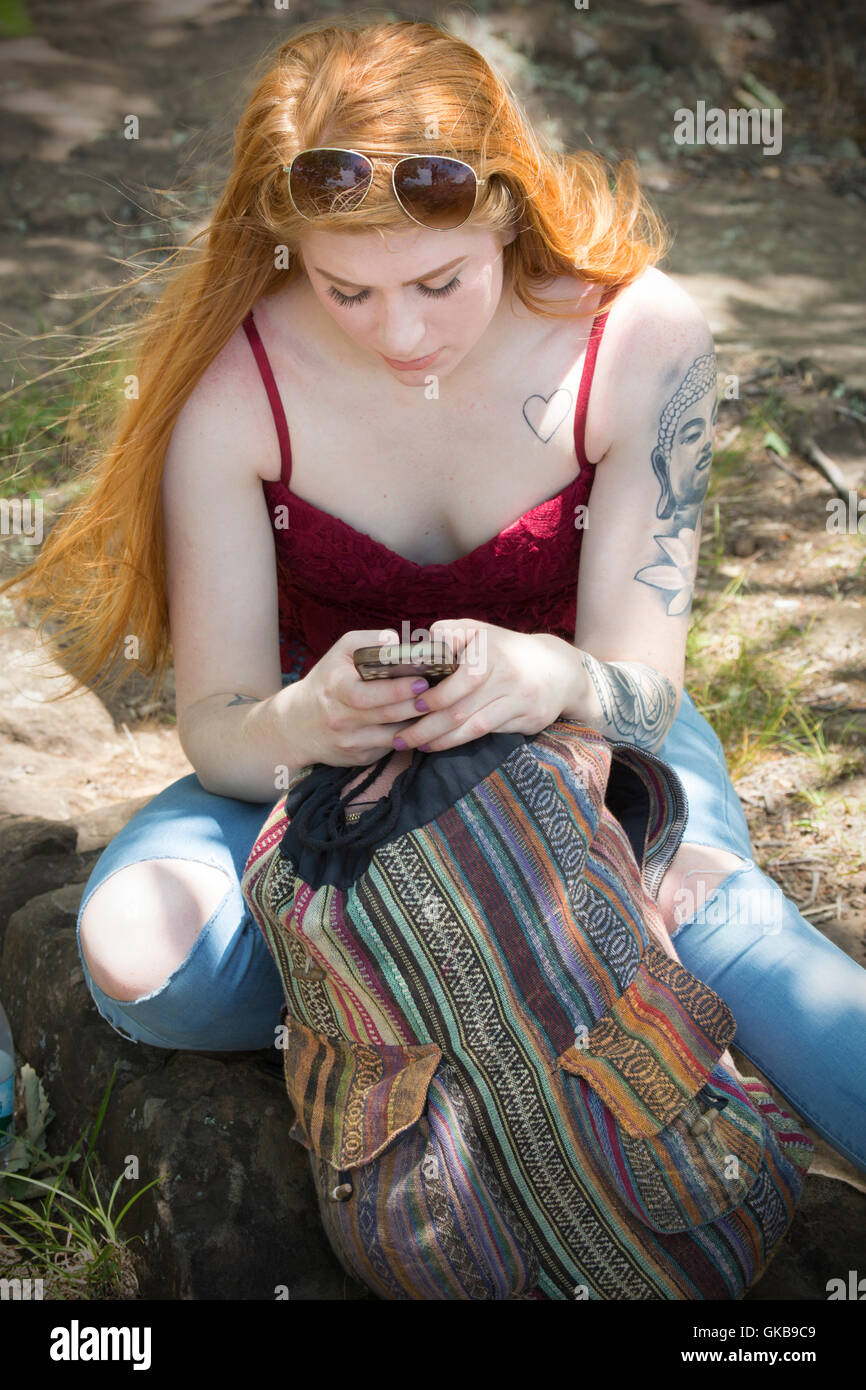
(347, 299)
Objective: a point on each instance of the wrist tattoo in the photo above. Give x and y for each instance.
(637, 701)
(244, 700)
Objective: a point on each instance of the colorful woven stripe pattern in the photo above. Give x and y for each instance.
(519, 1090)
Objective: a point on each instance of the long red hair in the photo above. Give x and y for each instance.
(100, 575)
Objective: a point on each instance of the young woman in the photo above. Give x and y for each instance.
(364, 412)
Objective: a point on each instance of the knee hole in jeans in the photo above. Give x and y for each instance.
(141, 923)
(693, 875)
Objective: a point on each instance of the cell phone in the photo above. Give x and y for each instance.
(433, 660)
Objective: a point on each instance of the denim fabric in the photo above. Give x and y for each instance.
(226, 995)
(799, 1001)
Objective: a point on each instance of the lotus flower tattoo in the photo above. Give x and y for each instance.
(676, 574)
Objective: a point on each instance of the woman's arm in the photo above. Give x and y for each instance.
(640, 547)
(233, 717)
(624, 700)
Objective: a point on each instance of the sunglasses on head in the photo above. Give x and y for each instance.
(434, 191)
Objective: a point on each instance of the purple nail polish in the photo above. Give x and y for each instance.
(419, 685)
(424, 747)
(422, 705)
(400, 743)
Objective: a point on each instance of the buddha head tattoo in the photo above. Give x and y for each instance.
(684, 449)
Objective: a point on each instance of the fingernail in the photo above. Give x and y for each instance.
(419, 685)
(424, 747)
(400, 743)
(422, 705)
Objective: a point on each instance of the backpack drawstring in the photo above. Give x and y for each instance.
(377, 822)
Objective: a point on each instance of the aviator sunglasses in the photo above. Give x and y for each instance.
(434, 191)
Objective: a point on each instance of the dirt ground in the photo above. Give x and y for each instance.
(770, 246)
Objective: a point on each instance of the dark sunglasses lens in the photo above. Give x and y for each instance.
(323, 181)
(439, 193)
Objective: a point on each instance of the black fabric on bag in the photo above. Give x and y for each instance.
(324, 849)
(628, 800)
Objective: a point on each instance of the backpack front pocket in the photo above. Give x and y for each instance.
(406, 1195)
(678, 1133)
(351, 1098)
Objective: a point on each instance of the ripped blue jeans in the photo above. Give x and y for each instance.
(798, 1000)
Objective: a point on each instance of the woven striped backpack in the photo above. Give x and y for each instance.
(507, 1088)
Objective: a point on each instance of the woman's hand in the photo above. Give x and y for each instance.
(507, 682)
(340, 719)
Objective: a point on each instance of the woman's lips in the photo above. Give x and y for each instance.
(414, 365)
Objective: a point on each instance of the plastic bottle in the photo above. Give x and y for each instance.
(7, 1088)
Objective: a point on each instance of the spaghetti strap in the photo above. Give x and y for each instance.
(274, 398)
(279, 414)
(595, 336)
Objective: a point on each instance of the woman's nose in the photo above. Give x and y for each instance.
(401, 333)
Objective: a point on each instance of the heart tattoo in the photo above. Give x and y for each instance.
(536, 408)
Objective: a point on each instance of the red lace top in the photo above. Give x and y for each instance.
(333, 578)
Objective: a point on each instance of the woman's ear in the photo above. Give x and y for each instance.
(667, 503)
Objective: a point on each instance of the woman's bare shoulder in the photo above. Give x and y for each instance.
(649, 317)
(655, 313)
(654, 331)
(227, 414)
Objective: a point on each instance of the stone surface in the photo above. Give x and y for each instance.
(89, 759)
(97, 828)
(75, 726)
(236, 1213)
(36, 855)
(55, 1024)
(827, 1238)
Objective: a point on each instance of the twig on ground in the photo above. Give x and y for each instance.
(135, 748)
(785, 467)
(854, 414)
(829, 910)
(830, 707)
(813, 891)
(800, 861)
(825, 465)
